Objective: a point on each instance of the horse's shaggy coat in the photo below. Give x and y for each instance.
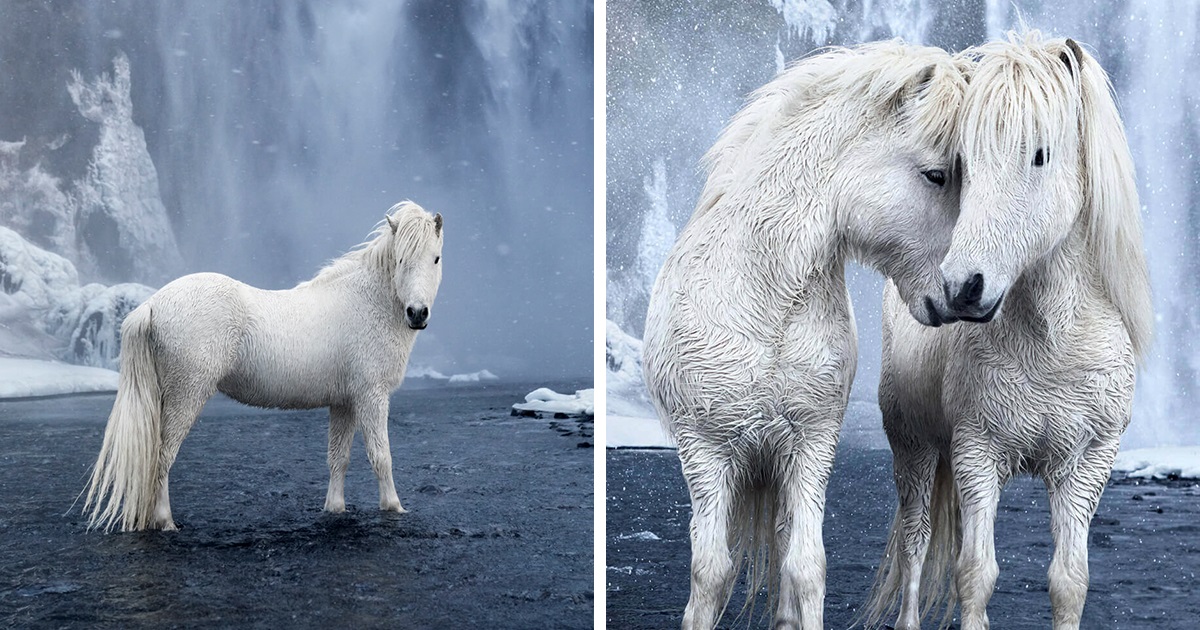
(341, 340)
(750, 343)
(1049, 239)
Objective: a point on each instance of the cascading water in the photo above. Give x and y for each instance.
(669, 113)
(282, 131)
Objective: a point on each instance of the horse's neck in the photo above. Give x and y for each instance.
(1053, 292)
(367, 288)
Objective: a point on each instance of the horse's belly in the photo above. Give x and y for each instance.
(282, 387)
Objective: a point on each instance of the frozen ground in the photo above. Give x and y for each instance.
(498, 533)
(1144, 544)
(26, 378)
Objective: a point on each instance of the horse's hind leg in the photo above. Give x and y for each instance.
(1073, 501)
(710, 485)
(371, 416)
(341, 435)
(802, 510)
(913, 469)
(179, 413)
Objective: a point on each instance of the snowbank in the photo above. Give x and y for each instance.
(23, 378)
(630, 420)
(1182, 462)
(545, 400)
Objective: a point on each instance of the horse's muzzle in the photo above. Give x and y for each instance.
(418, 317)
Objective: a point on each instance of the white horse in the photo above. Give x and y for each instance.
(341, 340)
(1048, 243)
(750, 344)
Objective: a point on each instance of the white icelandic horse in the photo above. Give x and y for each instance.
(1048, 243)
(750, 343)
(341, 340)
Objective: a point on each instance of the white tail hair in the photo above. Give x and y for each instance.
(123, 487)
(938, 592)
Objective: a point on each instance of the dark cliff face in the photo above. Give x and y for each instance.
(282, 131)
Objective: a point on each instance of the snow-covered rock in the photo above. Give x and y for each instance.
(546, 400)
(24, 378)
(52, 316)
(120, 210)
(1182, 462)
(473, 377)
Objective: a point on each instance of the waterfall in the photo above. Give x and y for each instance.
(282, 131)
(678, 83)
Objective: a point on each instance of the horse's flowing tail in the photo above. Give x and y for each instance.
(123, 487)
(938, 592)
(752, 538)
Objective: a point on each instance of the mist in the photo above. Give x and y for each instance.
(676, 76)
(281, 132)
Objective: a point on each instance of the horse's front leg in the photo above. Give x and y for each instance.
(341, 435)
(371, 416)
(977, 476)
(1073, 501)
(805, 474)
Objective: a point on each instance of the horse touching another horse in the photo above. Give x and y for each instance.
(1048, 245)
(750, 344)
(341, 340)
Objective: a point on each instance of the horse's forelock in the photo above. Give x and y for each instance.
(1021, 97)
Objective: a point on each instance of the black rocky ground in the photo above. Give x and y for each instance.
(1144, 551)
(498, 533)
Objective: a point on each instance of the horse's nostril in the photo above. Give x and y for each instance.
(424, 312)
(411, 312)
(973, 289)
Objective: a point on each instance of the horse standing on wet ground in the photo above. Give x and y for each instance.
(1048, 248)
(750, 343)
(341, 340)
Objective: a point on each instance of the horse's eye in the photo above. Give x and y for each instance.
(437, 259)
(935, 176)
(1041, 156)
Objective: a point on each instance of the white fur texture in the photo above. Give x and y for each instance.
(1047, 387)
(341, 340)
(750, 344)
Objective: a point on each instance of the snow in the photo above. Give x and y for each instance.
(1159, 463)
(426, 372)
(630, 421)
(23, 378)
(546, 400)
(50, 316)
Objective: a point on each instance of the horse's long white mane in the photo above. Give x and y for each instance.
(383, 247)
(873, 75)
(1030, 99)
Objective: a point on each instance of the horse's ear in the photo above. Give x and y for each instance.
(1074, 51)
(394, 222)
(437, 224)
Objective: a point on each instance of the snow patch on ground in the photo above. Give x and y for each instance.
(546, 400)
(1181, 462)
(24, 378)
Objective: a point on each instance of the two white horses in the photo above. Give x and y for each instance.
(341, 340)
(1048, 242)
(750, 348)
(750, 344)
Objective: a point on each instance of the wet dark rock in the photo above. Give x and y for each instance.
(255, 549)
(1140, 560)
